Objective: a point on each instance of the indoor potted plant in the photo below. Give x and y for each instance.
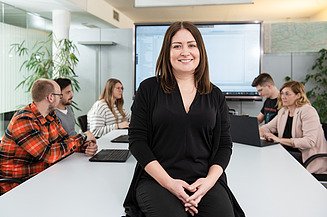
(42, 64)
(318, 79)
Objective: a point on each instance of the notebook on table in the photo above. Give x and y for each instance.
(121, 139)
(111, 155)
(245, 130)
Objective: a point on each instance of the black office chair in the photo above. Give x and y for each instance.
(82, 122)
(6, 117)
(231, 111)
(11, 180)
(322, 178)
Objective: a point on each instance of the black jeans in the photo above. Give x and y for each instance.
(156, 201)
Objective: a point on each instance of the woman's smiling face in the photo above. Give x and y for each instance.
(184, 52)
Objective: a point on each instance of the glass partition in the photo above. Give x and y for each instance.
(16, 26)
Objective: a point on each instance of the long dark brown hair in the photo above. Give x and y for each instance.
(106, 95)
(164, 69)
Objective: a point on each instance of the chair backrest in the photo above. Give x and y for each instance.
(324, 127)
(82, 121)
(232, 111)
(7, 118)
(313, 157)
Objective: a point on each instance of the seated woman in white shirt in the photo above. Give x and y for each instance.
(108, 113)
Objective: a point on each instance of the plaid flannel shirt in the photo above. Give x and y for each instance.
(32, 143)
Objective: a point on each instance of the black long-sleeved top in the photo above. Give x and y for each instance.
(185, 144)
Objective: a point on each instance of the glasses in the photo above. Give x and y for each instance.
(58, 94)
(119, 88)
(287, 94)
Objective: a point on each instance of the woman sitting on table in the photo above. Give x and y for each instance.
(107, 113)
(179, 134)
(298, 127)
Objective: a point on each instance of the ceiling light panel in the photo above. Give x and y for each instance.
(168, 3)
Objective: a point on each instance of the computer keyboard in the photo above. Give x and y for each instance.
(121, 139)
(111, 155)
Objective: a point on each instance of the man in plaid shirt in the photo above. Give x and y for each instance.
(35, 139)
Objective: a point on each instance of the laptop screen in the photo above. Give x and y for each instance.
(245, 130)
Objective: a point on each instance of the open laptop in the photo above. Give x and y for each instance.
(111, 155)
(245, 130)
(121, 139)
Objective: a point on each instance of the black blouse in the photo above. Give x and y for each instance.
(185, 144)
(288, 128)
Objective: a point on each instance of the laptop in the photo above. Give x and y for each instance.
(121, 139)
(245, 130)
(111, 155)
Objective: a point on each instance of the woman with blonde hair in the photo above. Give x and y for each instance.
(298, 126)
(108, 113)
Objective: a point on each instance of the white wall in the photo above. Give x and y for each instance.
(98, 63)
(294, 65)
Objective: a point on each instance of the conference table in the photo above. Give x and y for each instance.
(267, 182)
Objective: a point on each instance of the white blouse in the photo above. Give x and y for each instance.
(100, 119)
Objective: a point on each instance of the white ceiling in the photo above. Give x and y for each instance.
(163, 3)
(44, 8)
(38, 6)
(264, 10)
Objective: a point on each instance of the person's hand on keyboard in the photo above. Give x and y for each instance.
(271, 137)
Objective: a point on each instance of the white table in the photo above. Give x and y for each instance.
(74, 187)
(260, 178)
(269, 182)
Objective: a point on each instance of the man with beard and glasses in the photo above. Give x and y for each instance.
(35, 139)
(64, 110)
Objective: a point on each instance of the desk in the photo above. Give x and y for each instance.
(269, 182)
(74, 187)
(259, 178)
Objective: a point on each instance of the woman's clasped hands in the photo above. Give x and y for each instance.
(191, 195)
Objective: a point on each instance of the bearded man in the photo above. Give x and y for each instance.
(35, 139)
(64, 110)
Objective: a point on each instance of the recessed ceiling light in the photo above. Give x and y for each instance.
(167, 3)
(92, 26)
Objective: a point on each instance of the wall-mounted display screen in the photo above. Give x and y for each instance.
(234, 52)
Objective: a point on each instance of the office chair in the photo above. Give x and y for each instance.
(82, 121)
(232, 111)
(7, 118)
(322, 178)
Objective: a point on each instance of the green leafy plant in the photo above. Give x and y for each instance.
(318, 78)
(66, 61)
(41, 63)
(287, 79)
